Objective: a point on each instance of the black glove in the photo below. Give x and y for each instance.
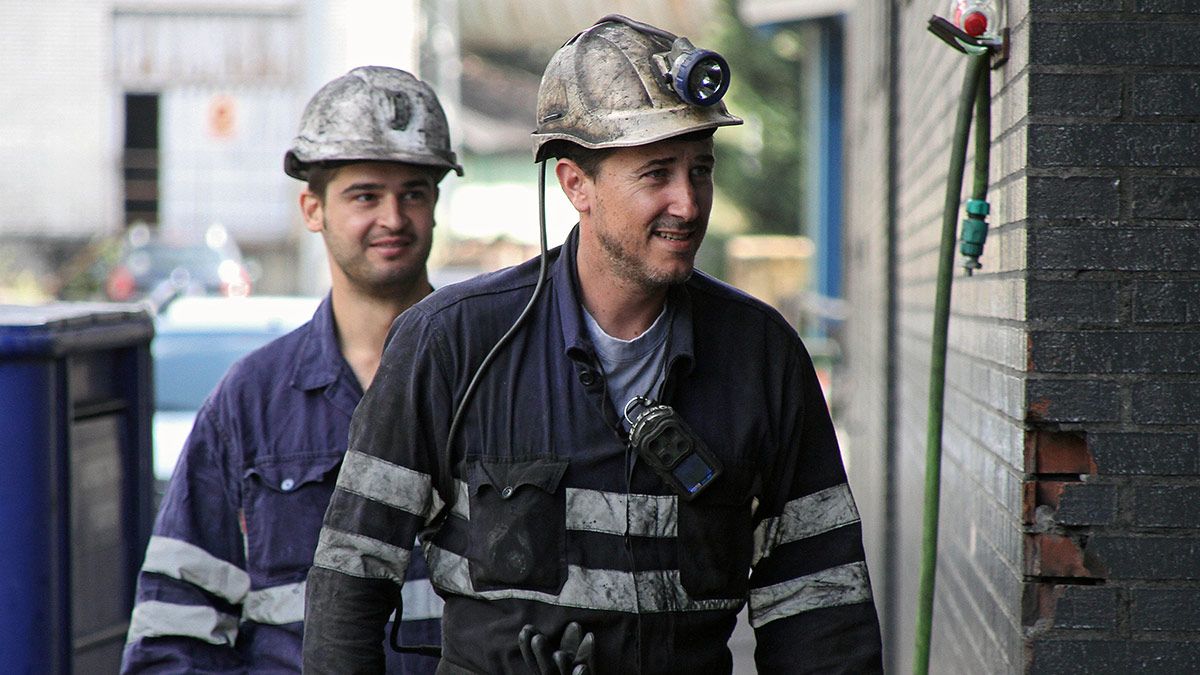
(573, 657)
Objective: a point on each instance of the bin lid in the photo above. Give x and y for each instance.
(63, 327)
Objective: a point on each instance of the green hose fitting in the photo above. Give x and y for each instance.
(974, 233)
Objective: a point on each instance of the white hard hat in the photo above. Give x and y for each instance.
(372, 113)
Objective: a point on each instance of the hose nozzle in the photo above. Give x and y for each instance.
(974, 234)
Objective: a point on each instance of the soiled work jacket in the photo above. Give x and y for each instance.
(549, 524)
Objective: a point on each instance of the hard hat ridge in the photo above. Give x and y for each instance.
(372, 113)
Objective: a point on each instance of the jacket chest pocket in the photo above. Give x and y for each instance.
(518, 524)
(716, 538)
(284, 502)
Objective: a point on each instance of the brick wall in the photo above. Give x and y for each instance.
(1071, 469)
(1114, 337)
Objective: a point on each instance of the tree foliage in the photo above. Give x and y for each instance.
(761, 167)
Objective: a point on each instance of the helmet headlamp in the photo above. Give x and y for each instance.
(698, 76)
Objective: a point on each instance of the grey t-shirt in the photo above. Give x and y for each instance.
(631, 367)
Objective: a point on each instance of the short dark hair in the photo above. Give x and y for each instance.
(588, 159)
(320, 175)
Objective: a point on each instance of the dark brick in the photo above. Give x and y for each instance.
(1054, 657)
(1114, 352)
(1165, 197)
(1168, 6)
(1074, 197)
(1072, 401)
(1166, 402)
(1086, 504)
(1072, 301)
(1173, 609)
(1114, 44)
(1071, 607)
(1113, 145)
(1129, 249)
(1147, 557)
(1165, 94)
(1075, 95)
(1167, 506)
(1146, 454)
(1174, 302)
(1073, 6)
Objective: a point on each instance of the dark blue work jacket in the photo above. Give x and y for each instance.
(548, 524)
(222, 585)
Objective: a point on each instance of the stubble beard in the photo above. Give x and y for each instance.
(628, 266)
(359, 271)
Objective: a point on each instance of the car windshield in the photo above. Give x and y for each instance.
(188, 365)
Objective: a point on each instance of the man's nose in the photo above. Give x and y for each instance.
(391, 212)
(684, 200)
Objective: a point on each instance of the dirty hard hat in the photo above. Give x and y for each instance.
(372, 113)
(619, 84)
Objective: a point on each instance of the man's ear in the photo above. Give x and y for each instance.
(575, 184)
(313, 211)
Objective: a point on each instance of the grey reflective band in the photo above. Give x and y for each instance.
(420, 601)
(201, 622)
(646, 592)
(178, 559)
(386, 483)
(834, 587)
(621, 514)
(284, 604)
(360, 556)
(276, 606)
(805, 517)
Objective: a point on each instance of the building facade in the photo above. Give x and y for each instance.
(1071, 469)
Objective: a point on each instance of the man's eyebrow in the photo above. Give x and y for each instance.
(366, 187)
(706, 158)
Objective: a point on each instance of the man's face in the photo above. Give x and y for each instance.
(650, 209)
(377, 221)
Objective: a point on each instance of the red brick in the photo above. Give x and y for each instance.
(1052, 555)
(1058, 453)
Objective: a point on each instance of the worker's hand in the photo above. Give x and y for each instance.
(573, 656)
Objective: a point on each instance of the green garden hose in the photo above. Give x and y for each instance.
(976, 93)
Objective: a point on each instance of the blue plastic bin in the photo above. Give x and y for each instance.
(75, 477)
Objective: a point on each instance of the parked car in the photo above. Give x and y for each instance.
(158, 264)
(197, 339)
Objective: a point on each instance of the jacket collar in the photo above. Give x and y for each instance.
(320, 363)
(564, 278)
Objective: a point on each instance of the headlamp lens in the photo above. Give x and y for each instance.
(700, 77)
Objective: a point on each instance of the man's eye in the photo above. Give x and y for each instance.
(415, 196)
(656, 174)
(365, 197)
(702, 171)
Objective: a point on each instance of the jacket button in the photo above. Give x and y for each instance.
(587, 377)
(506, 492)
(287, 484)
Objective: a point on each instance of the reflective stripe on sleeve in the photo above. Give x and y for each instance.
(420, 600)
(360, 556)
(597, 589)
(836, 586)
(276, 606)
(805, 517)
(621, 514)
(201, 622)
(381, 481)
(178, 559)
